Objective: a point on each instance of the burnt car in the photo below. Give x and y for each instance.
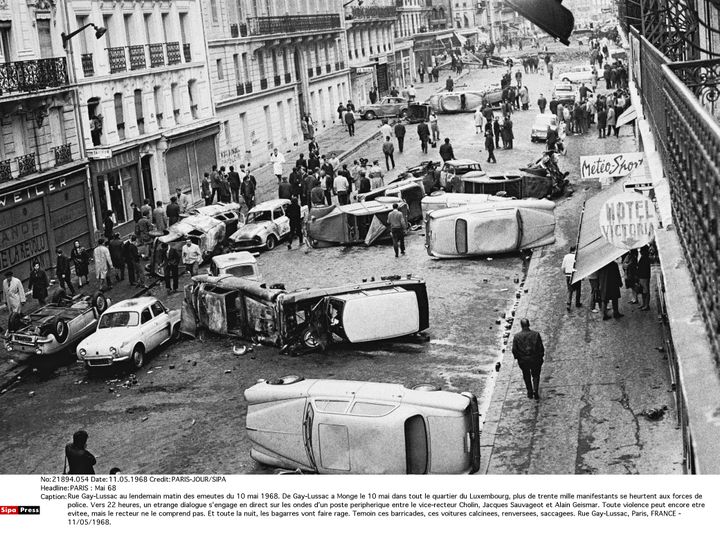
(328, 426)
(409, 190)
(56, 326)
(451, 102)
(307, 319)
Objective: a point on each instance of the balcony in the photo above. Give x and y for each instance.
(157, 55)
(277, 80)
(288, 77)
(137, 57)
(328, 68)
(373, 12)
(88, 65)
(240, 89)
(33, 76)
(116, 58)
(63, 154)
(26, 164)
(187, 53)
(263, 83)
(263, 26)
(173, 53)
(5, 171)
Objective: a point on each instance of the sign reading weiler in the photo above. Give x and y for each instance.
(628, 220)
(610, 165)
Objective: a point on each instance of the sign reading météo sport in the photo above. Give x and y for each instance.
(628, 220)
(610, 165)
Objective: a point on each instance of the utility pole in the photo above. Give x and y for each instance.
(491, 20)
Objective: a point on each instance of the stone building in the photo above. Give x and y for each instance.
(44, 201)
(145, 102)
(270, 63)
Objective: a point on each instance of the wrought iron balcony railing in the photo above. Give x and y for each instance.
(287, 24)
(173, 53)
(234, 30)
(32, 76)
(116, 58)
(248, 87)
(137, 57)
(187, 53)
(5, 171)
(240, 89)
(63, 154)
(157, 55)
(288, 77)
(88, 65)
(374, 12)
(26, 164)
(263, 83)
(277, 80)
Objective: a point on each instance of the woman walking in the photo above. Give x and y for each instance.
(39, 283)
(80, 260)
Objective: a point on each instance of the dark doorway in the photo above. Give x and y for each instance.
(147, 179)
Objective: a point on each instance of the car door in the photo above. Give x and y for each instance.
(147, 329)
(163, 324)
(386, 106)
(282, 222)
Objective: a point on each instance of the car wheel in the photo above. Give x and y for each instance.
(175, 333)
(271, 242)
(310, 339)
(286, 380)
(566, 80)
(426, 387)
(60, 330)
(99, 302)
(312, 243)
(403, 112)
(138, 357)
(370, 115)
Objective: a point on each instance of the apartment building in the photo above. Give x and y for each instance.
(463, 13)
(145, 101)
(371, 48)
(44, 202)
(272, 62)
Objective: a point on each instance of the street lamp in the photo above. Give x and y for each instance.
(346, 4)
(99, 32)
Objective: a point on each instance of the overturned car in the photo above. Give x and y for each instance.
(308, 319)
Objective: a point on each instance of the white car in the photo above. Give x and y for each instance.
(576, 74)
(128, 331)
(541, 125)
(237, 264)
(267, 224)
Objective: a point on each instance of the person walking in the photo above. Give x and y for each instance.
(278, 160)
(568, 268)
(497, 130)
(38, 283)
(115, 247)
(435, 131)
(294, 213)
(400, 135)
(644, 273)
(191, 257)
(350, 121)
(610, 282)
(385, 130)
(490, 147)
(170, 263)
(423, 132)
(172, 211)
(341, 188)
(234, 182)
(398, 225)
(524, 98)
(508, 135)
(529, 351)
(446, 151)
(13, 293)
(78, 460)
(62, 271)
(81, 261)
(449, 84)
(411, 93)
(103, 264)
(542, 103)
(159, 217)
(388, 149)
(247, 189)
(479, 119)
(341, 113)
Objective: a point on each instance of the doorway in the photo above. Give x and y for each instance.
(43, 30)
(146, 171)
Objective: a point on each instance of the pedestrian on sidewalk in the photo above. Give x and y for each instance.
(529, 352)
(423, 132)
(542, 103)
(446, 151)
(400, 135)
(278, 160)
(497, 130)
(313, 148)
(191, 257)
(630, 269)
(389, 150)
(170, 263)
(601, 121)
(385, 130)
(479, 119)
(62, 271)
(205, 191)
(172, 211)
(39, 283)
(644, 273)
(118, 259)
(411, 93)
(449, 84)
(398, 225)
(341, 113)
(81, 261)
(350, 122)
(525, 98)
(78, 460)
(103, 264)
(341, 187)
(234, 182)
(610, 282)
(434, 130)
(294, 213)
(508, 135)
(490, 147)
(421, 72)
(568, 268)
(247, 189)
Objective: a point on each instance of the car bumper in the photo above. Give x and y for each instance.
(103, 361)
(246, 244)
(35, 346)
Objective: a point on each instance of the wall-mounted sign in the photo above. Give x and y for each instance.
(98, 153)
(614, 165)
(628, 220)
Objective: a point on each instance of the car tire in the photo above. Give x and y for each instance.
(403, 112)
(566, 80)
(14, 322)
(99, 302)
(175, 333)
(286, 380)
(271, 242)
(137, 359)
(310, 340)
(312, 243)
(426, 387)
(60, 330)
(370, 115)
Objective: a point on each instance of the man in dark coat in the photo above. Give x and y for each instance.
(118, 257)
(446, 151)
(247, 189)
(490, 147)
(172, 211)
(308, 184)
(77, 458)
(497, 131)
(610, 282)
(508, 135)
(284, 189)
(400, 135)
(553, 107)
(449, 84)
(350, 121)
(529, 352)
(170, 262)
(62, 271)
(542, 103)
(423, 132)
(294, 213)
(234, 181)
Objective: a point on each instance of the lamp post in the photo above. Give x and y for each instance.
(99, 32)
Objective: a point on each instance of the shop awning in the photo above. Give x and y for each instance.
(593, 251)
(460, 38)
(626, 117)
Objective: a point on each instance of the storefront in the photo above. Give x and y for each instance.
(362, 81)
(38, 215)
(188, 157)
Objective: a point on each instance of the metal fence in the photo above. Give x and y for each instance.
(33, 75)
(288, 24)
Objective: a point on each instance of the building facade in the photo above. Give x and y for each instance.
(145, 102)
(371, 48)
(44, 198)
(270, 64)
(463, 14)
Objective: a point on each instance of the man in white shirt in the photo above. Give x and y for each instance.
(191, 257)
(385, 130)
(277, 160)
(568, 268)
(13, 293)
(182, 200)
(375, 175)
(341, 185)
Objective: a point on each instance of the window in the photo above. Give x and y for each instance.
(461, 236)
(57, 126)
(175, 102)
(5, 53)
(331, 406)
(167, 31)
(220, 73)
(261, 64)
(80, 38)
(192, 93)
(157, 308)
(416, 445)
(214, 11)
(43, 30)
(159, 104)
(118, 319)
(107, 22)
(226, 128)
(183, 27)
(139, 116)
(148, 27)
(245, 131)
(246, 70)
(236, 66)
(145, 316)
(274, 62)
(119, 116)
(127, 21)
(371, 409)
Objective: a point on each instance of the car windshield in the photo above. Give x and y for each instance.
(240, 271)
(260, 216)
(464, 169)
(118, 319)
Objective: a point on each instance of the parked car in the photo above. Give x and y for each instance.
(444, 200)
(540, 126)
(56, 326)
(128, 331)
(564, 93)
(449, 102)
(387, 107)
(357, 427)
(238, 264)
(492, 228)
(307, 319)
(576, 74)
(266, 225)
(364, 222)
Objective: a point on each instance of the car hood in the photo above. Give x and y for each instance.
(248, 231)
(101, 340)
(474, 175)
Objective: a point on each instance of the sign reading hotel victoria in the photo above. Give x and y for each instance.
(610, 165)
(628, 220)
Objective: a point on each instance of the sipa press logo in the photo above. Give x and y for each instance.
(19, 510)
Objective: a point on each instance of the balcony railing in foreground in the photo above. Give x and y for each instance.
(29, 163)
(374, 12)
(33, 75)
(286, 24)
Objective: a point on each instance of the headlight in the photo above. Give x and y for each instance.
(113, 350)
(82, 352)
(8, 347)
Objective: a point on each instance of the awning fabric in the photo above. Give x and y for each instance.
(627, 116)
(593, 251)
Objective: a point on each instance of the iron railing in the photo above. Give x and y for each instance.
(374, 12)
(137, 57)
(234, 30)
(263, 83)
(240, 89)
(173, 53)
(288, 77)
(88, 65)
(5, 171)
(187, 53)
(277, 80)
(286, 24)
(248, 87)
(63, 154)
(116, 58)
(157, 55)
(318, 70)
(703, 79)
(26, 164)
(34, 75)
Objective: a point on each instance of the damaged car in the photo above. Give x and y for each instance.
(267, 224)
(308, 319)
(331, 426)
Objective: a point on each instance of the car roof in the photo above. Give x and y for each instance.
(211, 210)
(133, 304)
(234, 258)
(461, 162)
(269, 205)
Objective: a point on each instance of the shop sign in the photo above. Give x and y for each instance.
(628, 220)
(610, 165)
(32, 192)
(99, 153)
